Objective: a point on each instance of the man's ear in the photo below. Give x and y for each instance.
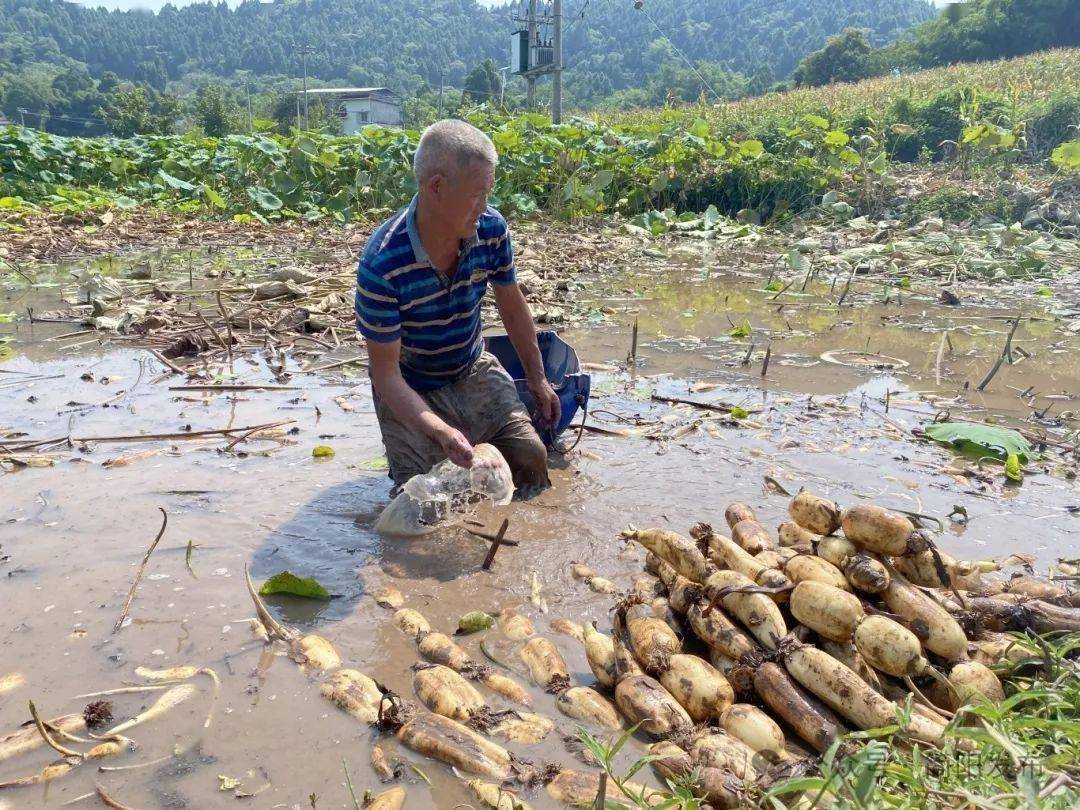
(436, 184)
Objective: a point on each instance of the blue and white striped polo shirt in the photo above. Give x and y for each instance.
(400, 295)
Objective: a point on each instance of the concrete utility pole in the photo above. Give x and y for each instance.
(504, 77)
(530, 79)
(556, 89)
(304, 51)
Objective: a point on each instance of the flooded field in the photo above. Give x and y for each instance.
(837, 409)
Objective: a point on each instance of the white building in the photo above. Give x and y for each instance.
(360, 106)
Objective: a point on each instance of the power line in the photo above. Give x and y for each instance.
(76, 119)
(582, 53)
(640, 6)
(576, 18)
(43, 114)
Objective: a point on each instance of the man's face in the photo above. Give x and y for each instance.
(463, 199)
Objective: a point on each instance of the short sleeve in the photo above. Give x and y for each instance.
(378, 315)
(502, 272)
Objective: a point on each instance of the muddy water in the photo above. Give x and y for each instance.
(688, 305)
(72, 535)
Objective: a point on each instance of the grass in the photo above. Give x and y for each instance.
(1024, 752)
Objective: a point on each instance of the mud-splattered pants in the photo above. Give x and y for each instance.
(484, 405)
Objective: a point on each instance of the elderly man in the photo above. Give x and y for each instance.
(421, 279)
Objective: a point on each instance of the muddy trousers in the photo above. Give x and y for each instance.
(484, 405)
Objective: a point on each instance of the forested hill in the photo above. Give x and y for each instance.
(405, 42)
(759, 38)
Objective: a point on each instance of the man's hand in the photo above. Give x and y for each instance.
(548, 407)
(456, 447)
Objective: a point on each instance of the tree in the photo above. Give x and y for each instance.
(987, 29)
(71, 81)
(675, 81)
(31, 90)
(152, 72)
(283, 109)
(132, 110)
(75, 104)
(760, 81)
(845, 58)
(402, 43)
(109, 81)
(166, 111)
(422, 108)
(483, 84)
(215, 110)
(128, 112)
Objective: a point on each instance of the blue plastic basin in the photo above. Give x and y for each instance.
(562, 369)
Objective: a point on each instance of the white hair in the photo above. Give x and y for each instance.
(449, 147)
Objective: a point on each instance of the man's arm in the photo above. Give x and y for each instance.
(517, 318)
(409, 407)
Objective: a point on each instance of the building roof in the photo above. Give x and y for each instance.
(350, 92)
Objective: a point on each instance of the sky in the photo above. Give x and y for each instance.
(156, 4)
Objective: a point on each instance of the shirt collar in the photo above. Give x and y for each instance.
(414, 235)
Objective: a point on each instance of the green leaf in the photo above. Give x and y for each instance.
(981, 440)
(174, 182)
(849, 155)
(523, 203)
(264, 198)
(751, 149)
(323, 451)
(215, 199)
(506, 139)
(602, 180)
(716, 148)
(569, 190)
(739, 413)
(1012, 468)
(474, 621)
(774, 286)
(837, 137)
(1067, 156)
(878, 163)
(7, 317)
(743, 330)
(975, 133)
(798, 260)
(1044, 291)
(287, 582)
(373, 464)
(711, 217)
(904, 283)
(699, 128)
(817, 121)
